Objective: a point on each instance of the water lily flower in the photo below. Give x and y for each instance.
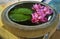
(40, 13)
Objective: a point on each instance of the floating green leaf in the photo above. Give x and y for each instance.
(20, 14)
(19, 17)
(22, 11)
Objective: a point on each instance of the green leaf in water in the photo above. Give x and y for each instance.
(20, 14)
(22, 11)
(19, 17)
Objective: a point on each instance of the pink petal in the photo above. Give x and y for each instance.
(39, 17)
(39, 5)
(36, 15)
(41, 13)
(49, 11)
(45, 9)
(35, 20)
(44, 20)
(42, 7)
(33, 16)
(35, 6)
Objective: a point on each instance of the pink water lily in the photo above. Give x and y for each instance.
(40, 13)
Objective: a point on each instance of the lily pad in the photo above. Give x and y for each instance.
(19, 17)
(22, 11)
(20, 14)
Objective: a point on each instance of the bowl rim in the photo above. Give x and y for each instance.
(25, 27)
